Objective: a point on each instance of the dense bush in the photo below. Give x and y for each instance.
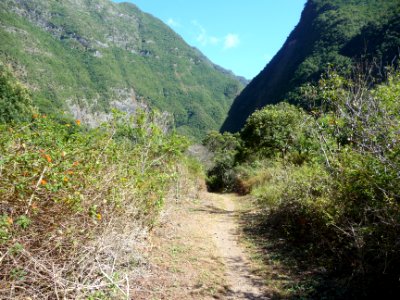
(65, 189)
(280, 131)
(328, 180)
(15, 102)
(225, 147)
(274, 129)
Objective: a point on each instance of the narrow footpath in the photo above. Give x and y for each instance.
(196, 254)
(242, 284)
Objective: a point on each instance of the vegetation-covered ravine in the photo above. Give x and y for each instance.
(115, 183)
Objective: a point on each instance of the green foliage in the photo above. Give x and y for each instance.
(23, 222)
(5, 227)
(221, 177)
(59, 162)
(84, 55)
(299, 199)
(15, 101)
(18, 274)
(62, 184)
(274, 130)
(217, 142)
(338, 202)
(16, 249)
(337, 33)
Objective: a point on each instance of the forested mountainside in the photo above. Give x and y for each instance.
(330, 33)
(86, 57)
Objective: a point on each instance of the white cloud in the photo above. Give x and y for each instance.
(214, 40)
(231, 41)
(171, 22)
(203, 37)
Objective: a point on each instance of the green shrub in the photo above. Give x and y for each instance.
(62, 185)
(278, 130)
(369, 221)
(272, 130)
(340, 202)
(15, 101)
(221, 176)
(298, 200)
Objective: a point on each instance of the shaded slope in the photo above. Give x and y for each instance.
(329, 33)
(88, 56)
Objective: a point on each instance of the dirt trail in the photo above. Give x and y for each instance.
(242, 284)
(196, 254)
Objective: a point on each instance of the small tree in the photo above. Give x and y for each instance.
(221, 176)
(276, 129)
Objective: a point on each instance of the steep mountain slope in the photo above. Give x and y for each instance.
(88, 56)
(330, 32)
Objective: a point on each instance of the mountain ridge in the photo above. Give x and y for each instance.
(321, 39)
(89, 56)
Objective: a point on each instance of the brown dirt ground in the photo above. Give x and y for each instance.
(196, 254)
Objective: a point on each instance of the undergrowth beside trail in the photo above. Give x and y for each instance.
(326, 182)
(77, 203)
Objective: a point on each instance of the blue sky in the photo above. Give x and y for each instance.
(239, 35)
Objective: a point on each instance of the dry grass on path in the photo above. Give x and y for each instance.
(184, 260)
(196, 254)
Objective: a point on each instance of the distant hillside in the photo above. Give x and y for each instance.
(330, 32)
(89, 56)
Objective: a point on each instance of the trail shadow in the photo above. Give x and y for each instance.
(243, 267)
(211, 209)
(297, 270)
(286, 265)
(228, 293)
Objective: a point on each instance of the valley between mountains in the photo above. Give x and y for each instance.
(133, 167)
